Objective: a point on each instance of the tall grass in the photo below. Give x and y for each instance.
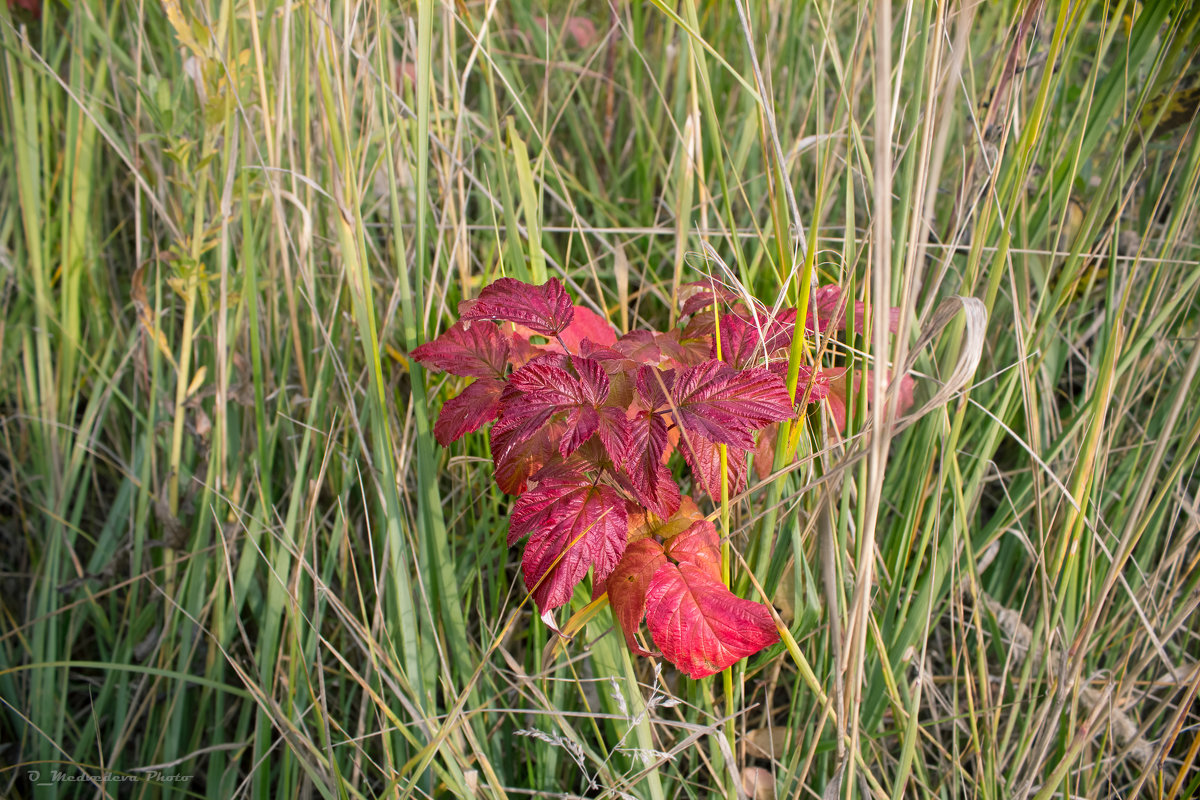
(237, 564)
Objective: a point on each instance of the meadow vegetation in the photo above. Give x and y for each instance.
(235, 562)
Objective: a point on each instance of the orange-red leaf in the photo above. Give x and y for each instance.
(700, 546)
(688, 346)
(699, 625)
(627, 587)
(641, 346)
(588, 325)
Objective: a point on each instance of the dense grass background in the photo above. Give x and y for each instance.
(236, 564)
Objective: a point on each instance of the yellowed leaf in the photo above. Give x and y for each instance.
(142, 305)
(183, 31)
(574, 626)
(197, 381)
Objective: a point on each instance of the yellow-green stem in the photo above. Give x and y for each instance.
(726, 572)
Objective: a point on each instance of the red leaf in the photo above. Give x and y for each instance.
(741, 344)
(699, 296)
(700, 546)
(612, 360)
(835, 393)
(643, 524)
(641, 346)
(476, 406)
(544, 388)
(535, 509)
(764, 451)
(544, 309)
(613, 432)
(589, 325)
(813, 383)
(515, 461)
(593, 380)
(652, 386)
(585, 527)
(651, 481)
(747, 343)
(620, 387)
(476, 352)
(702, 325)
(689, 346)
(704, 459)
(726, 405)
(621, 373)
(627, 588)
(522, 351)
(581, 29)
(541, 374)
(699, 625)
(831, 313)
(908, 385)
(591, 457)
(826, 303)
(32, 6)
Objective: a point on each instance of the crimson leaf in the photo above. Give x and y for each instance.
(476, 406)
(517, 460)
(744, 343)
(700, 296)
(476, 352)
(831, 312)
(544, 309)
(725, 405)
(575, 529)
(650, 479)
(544, 388)
(535, 508)
(704, 459)
(652, 387)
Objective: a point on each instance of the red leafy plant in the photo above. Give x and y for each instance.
(34, 7)
(585, 427)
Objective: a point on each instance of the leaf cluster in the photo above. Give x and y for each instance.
(585, 427)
